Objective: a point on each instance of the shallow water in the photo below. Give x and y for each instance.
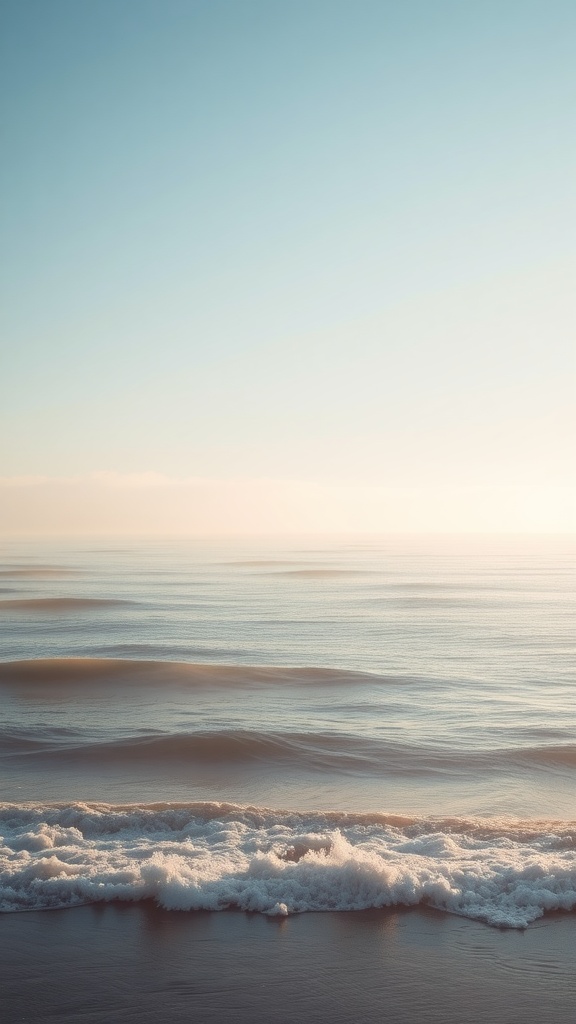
(431, 678)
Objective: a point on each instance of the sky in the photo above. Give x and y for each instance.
(275, 266)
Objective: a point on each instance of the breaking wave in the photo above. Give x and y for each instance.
(214, 856)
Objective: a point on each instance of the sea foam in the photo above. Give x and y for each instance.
(215, 856)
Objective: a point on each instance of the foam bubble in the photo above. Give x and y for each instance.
(215, 856)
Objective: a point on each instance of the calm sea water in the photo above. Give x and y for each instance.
(290, 725)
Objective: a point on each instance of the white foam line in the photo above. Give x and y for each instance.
(212, 857)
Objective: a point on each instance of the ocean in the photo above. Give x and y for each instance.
(289, 725)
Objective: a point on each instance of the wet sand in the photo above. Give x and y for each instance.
(138, 963)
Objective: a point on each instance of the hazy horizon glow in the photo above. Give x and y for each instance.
(149, 504)
(296, 267)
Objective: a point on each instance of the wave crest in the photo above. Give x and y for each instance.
(215, 856)
(326, 751)
(79, 671)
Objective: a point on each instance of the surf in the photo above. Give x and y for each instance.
(212, 856)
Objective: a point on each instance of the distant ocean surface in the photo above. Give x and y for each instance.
(290, 725)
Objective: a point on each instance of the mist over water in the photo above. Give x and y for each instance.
(431, 678)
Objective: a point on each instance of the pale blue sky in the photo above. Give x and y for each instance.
(311, 239)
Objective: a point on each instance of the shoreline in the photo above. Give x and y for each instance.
(137, 962)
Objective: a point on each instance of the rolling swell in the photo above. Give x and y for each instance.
(77, 671)
(54, 605)
(505, 872)
(38, 572)
(331, 752)
(305, 750)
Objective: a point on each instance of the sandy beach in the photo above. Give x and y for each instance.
(139, 963)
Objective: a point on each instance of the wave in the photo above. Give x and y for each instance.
(559, 754)
(322, 751)
(214, 856)
(39, 572)
(76, 671)
(60, 604)
(166, 651)
(303, 750)
(321, 574)
(249, 563)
